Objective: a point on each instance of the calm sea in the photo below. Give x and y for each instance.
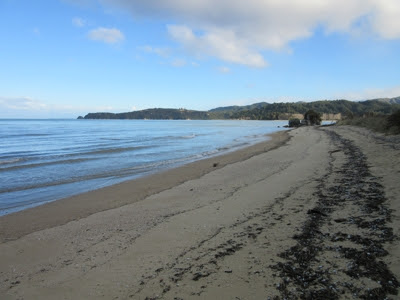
(46, 160)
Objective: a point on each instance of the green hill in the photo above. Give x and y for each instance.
(153, 114)
(261, 111)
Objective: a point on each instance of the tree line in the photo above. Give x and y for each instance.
(262, 111)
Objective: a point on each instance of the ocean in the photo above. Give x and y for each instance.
(46, 160)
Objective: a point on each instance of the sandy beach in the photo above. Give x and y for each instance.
(311, 213)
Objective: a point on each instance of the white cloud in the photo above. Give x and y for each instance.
(78, 22)
(164, 52)
(224, 45)
(178, 62)
(371, 93)
(386, 20)
(106, 35)
(27, 107)
(21, 103)
(239, 31)
(224, 70)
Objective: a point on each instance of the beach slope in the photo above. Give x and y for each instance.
(311, 213)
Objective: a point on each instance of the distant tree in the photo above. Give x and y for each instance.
(312, 117)
(394, 120)
(294, 122)
(348, 114)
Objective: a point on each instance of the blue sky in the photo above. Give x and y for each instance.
(64, 58)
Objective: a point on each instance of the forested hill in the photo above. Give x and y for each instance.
(261, 111)
(154, 114)
(265, 111)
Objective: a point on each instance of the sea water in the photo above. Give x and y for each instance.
(46, 160)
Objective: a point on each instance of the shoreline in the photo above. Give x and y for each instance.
(73, 159)
(79, 206)
(316, 215)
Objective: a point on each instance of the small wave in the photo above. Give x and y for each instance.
(24, 135)
(223, 148)
(7, 163)
(125, 172)
(111, 139)
(12, 205)
(192, 136)
(57, 162)
(10, 161)
(52, 183)
(232, 147)
(114, 150)
(175, 137)
(71, 152)
(35, 134)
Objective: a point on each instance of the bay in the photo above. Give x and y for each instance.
(46, 160)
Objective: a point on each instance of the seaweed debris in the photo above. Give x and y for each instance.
(340, 248)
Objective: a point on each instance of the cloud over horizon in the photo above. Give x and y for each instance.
(239, 31)
(370, 93)
(21, 103)
(27, 107)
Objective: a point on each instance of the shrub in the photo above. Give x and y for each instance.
(294, 122)
(312, 117)
(393, 122)
(394, 119)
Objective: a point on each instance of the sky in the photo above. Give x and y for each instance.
(65, 58)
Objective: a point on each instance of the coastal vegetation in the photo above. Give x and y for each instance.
(312, 117)
(294, 122)
(388, 124)
(329, 109)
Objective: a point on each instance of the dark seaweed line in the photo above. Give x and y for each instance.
(300, 278)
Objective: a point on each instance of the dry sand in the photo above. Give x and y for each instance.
(313, 213)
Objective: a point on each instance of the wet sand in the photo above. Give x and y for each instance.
(311, 213)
